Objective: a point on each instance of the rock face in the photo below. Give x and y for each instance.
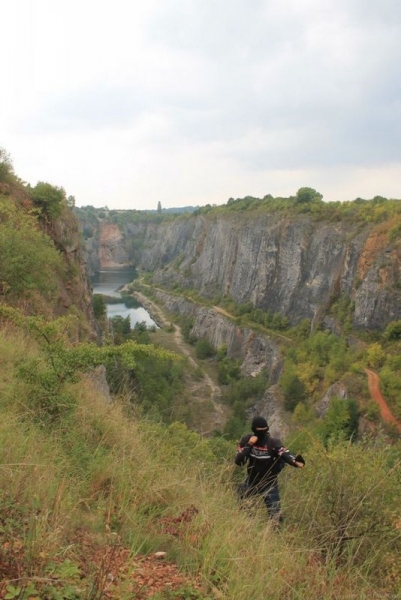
(256, 352)
(74, 290)
(270, 406)
(112, 251)
(338, 390)
(294, 266)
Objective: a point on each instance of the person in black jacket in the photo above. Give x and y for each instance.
(265, 457)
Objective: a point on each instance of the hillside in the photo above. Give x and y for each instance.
(93, 483)
(42, 269)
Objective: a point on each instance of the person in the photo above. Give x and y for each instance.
(265, 457)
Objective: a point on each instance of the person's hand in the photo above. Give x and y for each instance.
(252, 440)
(299, 461)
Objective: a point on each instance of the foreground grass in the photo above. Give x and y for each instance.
(99, 483)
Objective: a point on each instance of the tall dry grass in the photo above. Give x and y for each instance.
(155, 488)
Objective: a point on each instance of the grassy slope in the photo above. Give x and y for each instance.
(133, 484)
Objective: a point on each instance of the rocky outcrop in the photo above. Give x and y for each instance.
(112, 250)
(256, 352)
(337, 390)
(73, 285)
(293, 266)
(270, 407)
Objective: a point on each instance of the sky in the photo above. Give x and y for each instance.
(126, 103)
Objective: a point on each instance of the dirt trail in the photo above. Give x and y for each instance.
(215, 391)
(374, 388)
(223, 312)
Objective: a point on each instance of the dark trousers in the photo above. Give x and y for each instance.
(269, 493)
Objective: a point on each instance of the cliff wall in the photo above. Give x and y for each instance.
(74, 289)
(255, 351)
(292, 265)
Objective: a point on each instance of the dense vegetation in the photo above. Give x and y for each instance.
(305, 201)
(92, 216)
(27, 254)
(309, 201)
(313, 361)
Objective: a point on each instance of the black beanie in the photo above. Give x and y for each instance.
(259, 422)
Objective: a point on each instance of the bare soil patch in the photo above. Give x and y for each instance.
(374, 388)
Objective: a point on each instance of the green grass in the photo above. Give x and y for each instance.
(101, 478)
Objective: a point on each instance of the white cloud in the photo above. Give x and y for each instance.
(191, 102)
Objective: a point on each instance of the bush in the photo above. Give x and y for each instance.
(99, 306)
(293, 389)
(204, 349)
(341, 420)
(393, 331)
(29, 260)
(350, 506)
(6, 167)
(49, 199)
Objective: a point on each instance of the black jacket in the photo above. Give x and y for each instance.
(264, 460)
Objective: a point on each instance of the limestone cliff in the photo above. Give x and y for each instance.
(255, 351)
(74, 289)
(293, 264)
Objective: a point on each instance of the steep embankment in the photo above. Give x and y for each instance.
(293, 265)
(42, 269)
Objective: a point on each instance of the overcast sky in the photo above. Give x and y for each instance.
(128, 102)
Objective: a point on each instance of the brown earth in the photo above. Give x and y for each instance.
(107, 568)
(385, 412)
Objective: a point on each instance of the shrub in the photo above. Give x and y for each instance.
(29, 260)
(99, 306)
(49, 199)
(6, 167)
(293, 389)
(204, 349)
(393, 331)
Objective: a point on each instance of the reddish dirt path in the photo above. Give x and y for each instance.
(374, 388)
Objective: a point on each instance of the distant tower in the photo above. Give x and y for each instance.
(159, 207)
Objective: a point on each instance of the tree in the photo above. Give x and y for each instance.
(204, 349)
(393, 331)
(293, 389)
(6, 166)
(99, 306)
(375, 355)
(49, 198)
(306, 195)
(341, 420)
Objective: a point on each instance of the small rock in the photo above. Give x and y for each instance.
(160, 554)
